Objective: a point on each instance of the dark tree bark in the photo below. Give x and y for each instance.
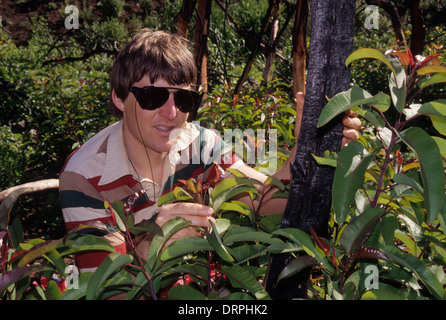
(418, 31)
(309, 202)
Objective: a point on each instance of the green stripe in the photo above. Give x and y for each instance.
(76, 199)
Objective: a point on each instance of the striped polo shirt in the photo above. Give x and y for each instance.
(101, 171)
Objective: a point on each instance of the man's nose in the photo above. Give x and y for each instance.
(169, 109)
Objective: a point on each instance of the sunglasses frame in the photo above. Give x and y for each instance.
(195, 96)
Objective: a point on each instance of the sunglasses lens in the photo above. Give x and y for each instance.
(186, 100)
(152, 98)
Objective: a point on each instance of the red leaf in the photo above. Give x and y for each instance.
(319, 241)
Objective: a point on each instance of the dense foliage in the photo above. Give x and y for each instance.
(388, 191)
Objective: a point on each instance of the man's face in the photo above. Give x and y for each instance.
(152, 128)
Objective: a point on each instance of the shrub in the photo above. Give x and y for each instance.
(112, 8)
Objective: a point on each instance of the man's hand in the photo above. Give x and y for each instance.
(351, 126)
(351, 122)
(198, 214)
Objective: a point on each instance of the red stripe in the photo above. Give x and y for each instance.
(125, 181)
(94, 258)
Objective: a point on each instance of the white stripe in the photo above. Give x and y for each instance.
(83, 214)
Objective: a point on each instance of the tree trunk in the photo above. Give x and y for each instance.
(299, 54)
(271, 52)
(309, 202)
(184, 16)
(201, 41)
(31, 187)
(418, 31)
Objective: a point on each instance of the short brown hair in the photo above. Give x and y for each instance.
(157, 54)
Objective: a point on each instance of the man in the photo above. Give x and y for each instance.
(152, 95)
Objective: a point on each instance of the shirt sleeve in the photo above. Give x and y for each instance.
(82, 204)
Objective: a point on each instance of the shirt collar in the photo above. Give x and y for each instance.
(117, 163)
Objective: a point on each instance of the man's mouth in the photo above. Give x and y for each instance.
(164, 130)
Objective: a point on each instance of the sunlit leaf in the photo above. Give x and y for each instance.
(431, 69)
(365, 53)
(434, 79)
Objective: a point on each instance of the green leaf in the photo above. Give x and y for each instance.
(349, 99)
(436, 110)
(240, 207)
(230, 187)
(185, 293)
(436, 78)
(76, 243)
(379, 294)
(397, 86)
(184, 246)
(297, 265)
(419, 268)
(117, 211)
(441, 145)
(304, 239)
(405, 179)
(357, 231)
(108, 266)
(353, 162)
(169, 229)
(242, 278)
(364, 53)
(217, 243)
(256, 236)
(431, 69)
(431, 167)
(146, 226)
(325, 161)
(37, 251)
(52, 291)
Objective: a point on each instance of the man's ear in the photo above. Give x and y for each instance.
(117, 101)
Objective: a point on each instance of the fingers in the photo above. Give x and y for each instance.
(352, 122)
(300, 98)
(199, 215)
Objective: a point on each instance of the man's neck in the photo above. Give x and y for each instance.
(147, 163)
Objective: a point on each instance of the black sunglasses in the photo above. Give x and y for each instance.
(152, 98)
